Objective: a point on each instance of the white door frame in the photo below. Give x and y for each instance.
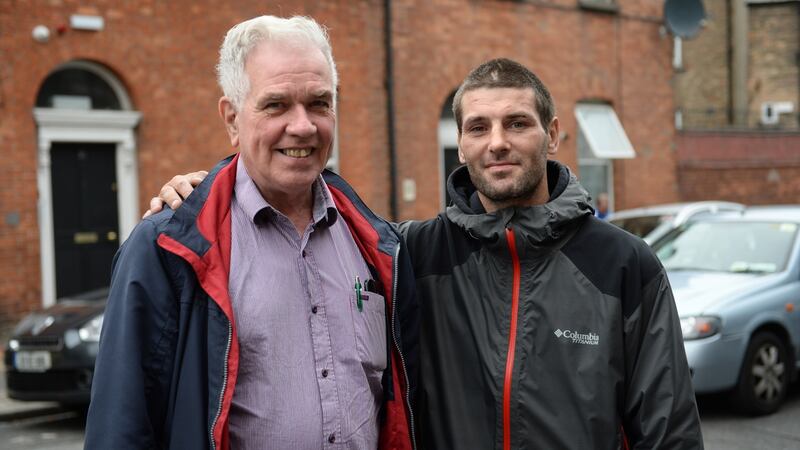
(96, 126)
(448, 138)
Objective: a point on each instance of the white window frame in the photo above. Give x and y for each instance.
(448, 138)
(614, 143)
(598, 151)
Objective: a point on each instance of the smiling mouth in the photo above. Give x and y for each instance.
(500, 165)
(296, 152)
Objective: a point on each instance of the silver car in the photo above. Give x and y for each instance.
(736, 280)
(652, 222)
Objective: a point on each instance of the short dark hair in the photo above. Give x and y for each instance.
(505, 73)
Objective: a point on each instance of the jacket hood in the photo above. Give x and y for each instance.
(539, 224)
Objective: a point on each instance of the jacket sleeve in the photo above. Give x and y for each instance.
(131, 379)
(659, 408)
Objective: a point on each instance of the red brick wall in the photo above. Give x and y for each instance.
(746, 167)
(702, 86)
(164, 53)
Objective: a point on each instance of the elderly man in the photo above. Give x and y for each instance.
(542, 325)
(256, 315)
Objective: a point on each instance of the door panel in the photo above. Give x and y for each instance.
(84, 215)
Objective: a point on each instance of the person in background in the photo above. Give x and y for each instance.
(272, 310)
(601, 211)
(542, 325)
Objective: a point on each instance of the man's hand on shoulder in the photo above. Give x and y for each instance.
(173, 193)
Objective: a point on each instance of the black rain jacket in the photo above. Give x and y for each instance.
(545, 328)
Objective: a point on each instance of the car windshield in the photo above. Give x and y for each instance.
(740, 247)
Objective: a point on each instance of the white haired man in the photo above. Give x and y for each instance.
(256, 316)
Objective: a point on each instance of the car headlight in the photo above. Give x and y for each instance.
(91, 331)
(698, 327)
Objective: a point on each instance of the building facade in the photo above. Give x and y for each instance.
(737, 94)
(101, 102)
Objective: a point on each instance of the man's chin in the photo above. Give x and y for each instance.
(506, 194)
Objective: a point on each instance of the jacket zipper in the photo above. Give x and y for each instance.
(397, 345)
(224, 384)
(512, 339)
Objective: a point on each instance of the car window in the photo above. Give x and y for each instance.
(742, 247)
(640, 226)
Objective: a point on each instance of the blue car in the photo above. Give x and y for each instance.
(736, 280)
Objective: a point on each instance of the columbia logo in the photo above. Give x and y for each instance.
(578, 338)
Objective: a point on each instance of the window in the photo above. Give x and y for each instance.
(601, 139)
(77, 88)
(599, 5)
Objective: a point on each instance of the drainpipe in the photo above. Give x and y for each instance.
(387, 27)
(739, 26)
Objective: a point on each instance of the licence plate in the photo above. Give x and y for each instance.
(32, 361)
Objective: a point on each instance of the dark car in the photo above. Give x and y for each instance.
(51, 353)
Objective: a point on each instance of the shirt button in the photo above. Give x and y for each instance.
(332, 438)
(314, 309)
(304, 253)
(324, 373)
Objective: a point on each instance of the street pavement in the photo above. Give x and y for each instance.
(48, 426)
(725, 429)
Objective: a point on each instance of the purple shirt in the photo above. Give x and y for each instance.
(310, 362)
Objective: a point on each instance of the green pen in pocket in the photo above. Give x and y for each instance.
(357, 287)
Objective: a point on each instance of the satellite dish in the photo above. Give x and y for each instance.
(684, 18)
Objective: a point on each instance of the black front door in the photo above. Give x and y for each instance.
(84, 215)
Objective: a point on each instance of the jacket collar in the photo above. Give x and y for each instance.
(540, 224)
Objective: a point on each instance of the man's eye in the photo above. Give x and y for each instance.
(320, 104)
(476, 129)
(517, 125)
(272, 105)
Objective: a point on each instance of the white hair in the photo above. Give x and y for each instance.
(243, 37)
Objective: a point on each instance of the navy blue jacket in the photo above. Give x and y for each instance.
(168, 358)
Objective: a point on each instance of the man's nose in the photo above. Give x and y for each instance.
(498, 140)
(300, 123)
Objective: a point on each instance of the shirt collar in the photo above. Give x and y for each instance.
(248, 196)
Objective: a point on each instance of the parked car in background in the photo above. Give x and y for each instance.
(652, 222)
(50, 355)
(736, 281)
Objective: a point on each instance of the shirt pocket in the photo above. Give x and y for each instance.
(370, 329)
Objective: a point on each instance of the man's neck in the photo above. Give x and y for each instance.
(298, 208)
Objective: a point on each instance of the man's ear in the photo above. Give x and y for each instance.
(229, 115)
(461, 158)
(554, 133)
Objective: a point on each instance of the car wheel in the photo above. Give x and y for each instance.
(764, 379)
